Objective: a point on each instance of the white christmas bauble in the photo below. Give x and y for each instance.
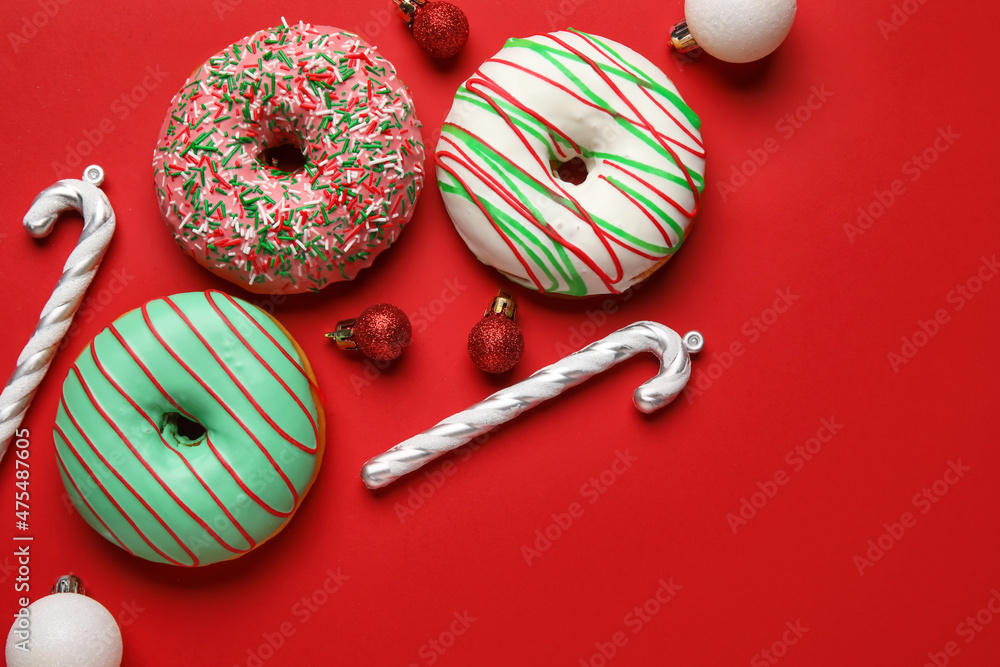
(739, 31)
(65, 630)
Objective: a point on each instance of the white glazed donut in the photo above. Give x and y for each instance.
(530, 115)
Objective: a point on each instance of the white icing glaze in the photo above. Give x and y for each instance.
(544, 100)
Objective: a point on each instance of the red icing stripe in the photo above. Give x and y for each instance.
(108, 495)
(291, 359)
(580, 212)
(658, 192)
(438, 159)
(624, 66)
(218, 399)
(236, 477)
(246, 489)
(270, 369)
(145, 369)
(613, 114)
(81, 496)
(93, 401)
(647, 213)
(624, 98)
(240, 385)
(187, 464)
(507, 196)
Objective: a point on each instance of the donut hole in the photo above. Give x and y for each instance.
(573, 170)
(286, 157)
(181, 429)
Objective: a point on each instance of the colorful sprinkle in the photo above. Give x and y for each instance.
(274, 231)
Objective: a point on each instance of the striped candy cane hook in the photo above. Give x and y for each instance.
(453, 432)
(98, 225)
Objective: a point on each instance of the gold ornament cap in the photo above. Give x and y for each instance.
(343, 335)
(408, 10)
(503, 304)
(681, 37)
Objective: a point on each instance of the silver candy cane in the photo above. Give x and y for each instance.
(98, 225)
(455, 431)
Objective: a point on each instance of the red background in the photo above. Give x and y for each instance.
(780, 228)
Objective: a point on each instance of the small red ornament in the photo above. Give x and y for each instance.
(496, 342)
(440, 28)
(380, 332)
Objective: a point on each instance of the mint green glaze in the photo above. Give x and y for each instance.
(223, 431)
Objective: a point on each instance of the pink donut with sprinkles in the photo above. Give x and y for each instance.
(290, 159)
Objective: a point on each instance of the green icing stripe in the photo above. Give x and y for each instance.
(553, 52)
(660, 213)
(650, 169)
(514, 230)
(540, 244)
(636, 131)
(546, 258)
(523, 120)
(557, 254)
(674, 98)
(127, 512)
(341, 103)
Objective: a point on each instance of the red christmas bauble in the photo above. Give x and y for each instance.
(382, 331)
(495, 344)
(441, 29)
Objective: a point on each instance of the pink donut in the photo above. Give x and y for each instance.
(331, 96)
